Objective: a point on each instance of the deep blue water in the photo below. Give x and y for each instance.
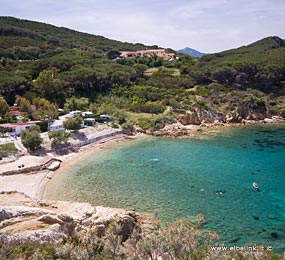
(175, 178)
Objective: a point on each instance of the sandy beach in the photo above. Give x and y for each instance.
(37, 184)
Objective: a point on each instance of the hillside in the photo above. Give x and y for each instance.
(191, 52)
(73, 70)
(45, 36)
(260, 64)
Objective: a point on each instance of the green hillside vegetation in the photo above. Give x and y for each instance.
(261, 64)
(55, 63)
(44, 67)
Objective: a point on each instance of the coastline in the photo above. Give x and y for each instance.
(72, 159)
(38, 185)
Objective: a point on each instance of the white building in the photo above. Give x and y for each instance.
(17, 128)
(74, 113)
(57, 125)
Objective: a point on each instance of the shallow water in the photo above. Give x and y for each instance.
(175, 178)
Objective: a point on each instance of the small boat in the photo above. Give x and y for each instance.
(54, 165)
(255, 186)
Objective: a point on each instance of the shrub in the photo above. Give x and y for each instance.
(202, 104)
(73, 123)
(6, 149)
(149, 107)
(203, 91)
(58, 137)
(128, 126)
(30, 250)
(145, 123)
(31, 138)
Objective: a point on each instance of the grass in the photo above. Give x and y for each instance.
(150, 71)
(135, 117)
(171, 71)
(6, 149)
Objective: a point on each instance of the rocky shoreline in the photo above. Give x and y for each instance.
(180, 130)
(45, 221)
(33, 219)
(23, 218)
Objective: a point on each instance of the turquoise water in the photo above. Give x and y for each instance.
(175, 178)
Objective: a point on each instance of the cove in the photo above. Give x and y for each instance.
(180, 178)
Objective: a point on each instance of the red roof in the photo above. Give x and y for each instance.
(15, 113)
(11, 125)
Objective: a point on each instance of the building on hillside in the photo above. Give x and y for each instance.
(15, 113)
(89, 121)
(87, 113)
(57, 125)
(74, 113)
(148, 53)
(17, 128)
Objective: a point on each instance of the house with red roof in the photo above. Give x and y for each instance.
(147, 53)
(17, 128)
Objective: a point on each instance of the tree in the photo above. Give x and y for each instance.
(3, 130)
(73, 123)
(48, 84)
(140, 69)
(4, 107)
(113, 55)
(58, 137)
(44, 109)
(31, 138)
(24, 104)
(74, 103)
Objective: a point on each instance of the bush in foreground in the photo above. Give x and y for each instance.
(181, 240)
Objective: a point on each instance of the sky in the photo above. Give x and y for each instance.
(205, 25)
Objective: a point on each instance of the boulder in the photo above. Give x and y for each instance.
(233, 118)
(20, 211)
(38, 224)
(128, 224)
(190, 118)
(50, 219)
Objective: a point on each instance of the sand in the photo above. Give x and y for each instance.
(36, 184)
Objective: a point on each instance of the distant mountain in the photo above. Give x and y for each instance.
(191, 52)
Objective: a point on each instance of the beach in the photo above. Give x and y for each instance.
(36, 184)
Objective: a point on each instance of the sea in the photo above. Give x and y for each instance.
(179, 178)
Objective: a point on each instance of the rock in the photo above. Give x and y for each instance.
(99, 230)
(41, 225)
(233, 118)
(20, 211)
(274, 234)
(65, 218)
(268, 120)
(173, 130)
(128, 224)
(50, 219)
(190, 118)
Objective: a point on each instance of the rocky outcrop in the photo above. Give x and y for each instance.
(190, 118)
(50, 221)
(200, 116)
(173, 130)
